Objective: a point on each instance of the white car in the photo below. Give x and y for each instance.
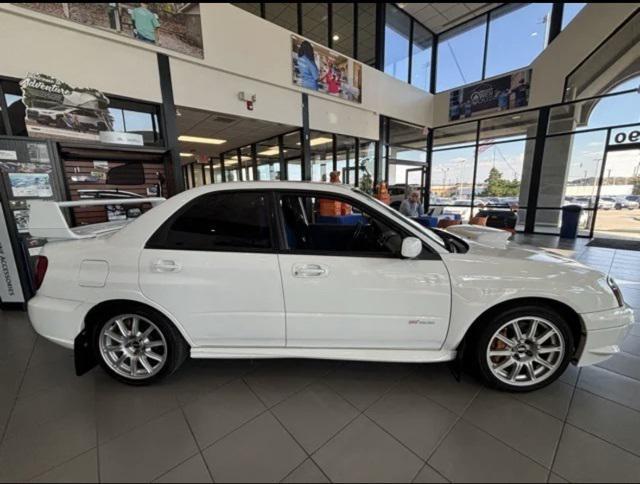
(244, 270)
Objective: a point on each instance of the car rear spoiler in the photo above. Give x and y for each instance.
(47, 220)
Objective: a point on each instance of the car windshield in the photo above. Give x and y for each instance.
(395, 214)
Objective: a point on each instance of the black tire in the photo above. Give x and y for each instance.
(485, 335)
(177, 348)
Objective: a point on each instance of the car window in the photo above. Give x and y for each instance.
(326, 224)
(218, 221)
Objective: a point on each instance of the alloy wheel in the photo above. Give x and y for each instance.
(133, 346)
(525, 351)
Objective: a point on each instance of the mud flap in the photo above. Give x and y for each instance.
(457, 365)
(83, 355)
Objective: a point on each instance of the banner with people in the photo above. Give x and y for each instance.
(55, 109)
(323, 70)
(494, 95)
(174, 26)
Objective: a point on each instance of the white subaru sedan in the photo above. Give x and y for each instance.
(305, 270)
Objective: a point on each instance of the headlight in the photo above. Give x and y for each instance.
(616, 290)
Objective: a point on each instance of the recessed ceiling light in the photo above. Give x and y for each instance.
(516, 117)
(534, 34)
(270, 152)
(319, 141)
(198, 139)
(336, 37)
(186, 155)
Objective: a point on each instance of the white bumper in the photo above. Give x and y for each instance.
(605, 331)
(58, 320)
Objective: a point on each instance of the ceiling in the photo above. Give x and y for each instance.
(237, 131)
(438, 17)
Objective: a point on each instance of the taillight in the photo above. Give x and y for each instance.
(41, 269)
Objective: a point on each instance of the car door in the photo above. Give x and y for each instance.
(341, 292)
(213, 266)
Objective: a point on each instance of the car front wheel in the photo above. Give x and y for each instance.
(139, 347)
(524, 349)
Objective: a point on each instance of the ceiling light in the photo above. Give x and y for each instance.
(319, 141)
(335, 37)
(534, 34)
(186, 154)
(198, 139)
(516, 117)
(270, 152)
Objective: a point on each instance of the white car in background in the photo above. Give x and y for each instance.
(245, 270)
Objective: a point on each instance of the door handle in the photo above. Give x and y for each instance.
(309, 270)
(165, 266)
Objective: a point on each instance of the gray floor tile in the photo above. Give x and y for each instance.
(585, 458)
(314, 415)
(193, 470)
(148, 451)
(280, 379)
(635, 328)
(556, 478)
(260, 451)
(607, 384)
(83, 468)
(429, 474)
(120, 408)
(29, 454)
(553, 399)
(308, 471)
(416, 421)
(470, 455)
(570, 375)
(45, 351)
(519, 425)
(363, 452)
(32, 411)
(623, 364)
(51, 374)
(363, 383)
(631, 345)
(196, 378)
(438, 383)
(606, 419)
(222, 411)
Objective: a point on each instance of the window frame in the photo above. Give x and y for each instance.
(161, 232)
(428, 253)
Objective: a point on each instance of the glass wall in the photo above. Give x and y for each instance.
(570, 10)
(365, 34)
(460, 54)
(353, 25)
(517, 35)
(315, 23)
(268, 159)
(514, 35)
(292, 151)
(407, 48)
(321, 156)
(346, 159)
(406, 156)
(397, 37)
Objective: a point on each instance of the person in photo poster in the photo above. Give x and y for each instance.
(307, 68)
(146, 23)
(332, 78)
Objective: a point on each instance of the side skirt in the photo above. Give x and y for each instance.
(366, 354)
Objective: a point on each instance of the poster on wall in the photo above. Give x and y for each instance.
(320, 69)
(174, 26)
(33, 185)
(491, 96)
(55, 109)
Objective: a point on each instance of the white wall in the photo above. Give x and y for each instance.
(594, 23)
(39, 43)
(242, 53)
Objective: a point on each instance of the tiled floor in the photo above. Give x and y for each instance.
(318, 421)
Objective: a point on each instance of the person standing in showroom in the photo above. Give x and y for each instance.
(411, 207)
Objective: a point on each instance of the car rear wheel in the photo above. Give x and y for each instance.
(139, 346)
(524, 349)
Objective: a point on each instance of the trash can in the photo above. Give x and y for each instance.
(570, 221)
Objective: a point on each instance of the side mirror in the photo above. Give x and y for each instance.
(411, 248)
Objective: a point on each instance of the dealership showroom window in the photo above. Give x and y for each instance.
(320, 242)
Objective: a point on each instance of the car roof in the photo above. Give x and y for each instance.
(275, 185)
